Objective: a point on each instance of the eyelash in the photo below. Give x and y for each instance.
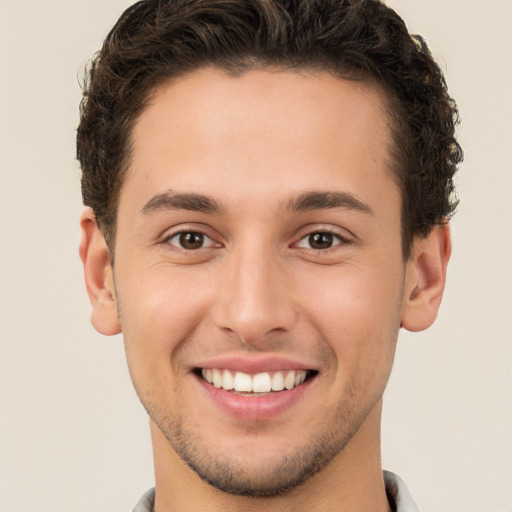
(182, 232)
(339, 240)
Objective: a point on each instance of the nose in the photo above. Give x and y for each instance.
(253, 296)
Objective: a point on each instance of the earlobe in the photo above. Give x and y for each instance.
(425, 279)
(98, 276)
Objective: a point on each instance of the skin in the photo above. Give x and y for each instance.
(253, 144)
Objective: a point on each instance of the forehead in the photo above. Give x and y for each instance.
(263, 131)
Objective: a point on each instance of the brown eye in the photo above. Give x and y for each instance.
(190, 240)
(320, 240)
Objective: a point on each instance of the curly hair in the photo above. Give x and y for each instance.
(156, 40)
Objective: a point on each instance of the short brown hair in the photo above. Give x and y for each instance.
(156, 40)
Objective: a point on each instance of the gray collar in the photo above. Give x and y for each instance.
(399, 496)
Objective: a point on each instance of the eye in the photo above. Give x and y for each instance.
(190, 240)
(320, 240)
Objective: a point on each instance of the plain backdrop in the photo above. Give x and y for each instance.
(73, 437)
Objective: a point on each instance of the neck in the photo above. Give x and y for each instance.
(351, 482)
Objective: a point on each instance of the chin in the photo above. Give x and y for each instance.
(254, 471)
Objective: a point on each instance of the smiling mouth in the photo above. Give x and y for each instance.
(255, 385)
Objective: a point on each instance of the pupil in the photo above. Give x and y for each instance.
(191, 240)
(320, 240)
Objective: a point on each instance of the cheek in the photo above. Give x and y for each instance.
(159, 312)
(162, 300)
(358, 315)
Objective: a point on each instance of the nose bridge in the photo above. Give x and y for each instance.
(254, 299)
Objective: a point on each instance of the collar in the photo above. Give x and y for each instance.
(398, 494)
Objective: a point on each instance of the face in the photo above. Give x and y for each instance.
(259, 273)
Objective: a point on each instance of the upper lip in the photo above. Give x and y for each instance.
(255, 364)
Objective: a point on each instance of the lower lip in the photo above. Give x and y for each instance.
(255, 408)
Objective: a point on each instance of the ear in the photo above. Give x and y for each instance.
(99, 278)
(425, 279)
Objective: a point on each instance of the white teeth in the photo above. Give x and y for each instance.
(243, 382)
(227, 380)
(278, 381)
(207, 375)
(259, 383)
(217, 378)
(300, 377)
(289, 380)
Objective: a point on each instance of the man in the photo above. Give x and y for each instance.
(269, 184)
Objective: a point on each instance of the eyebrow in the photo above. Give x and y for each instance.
(181, 201)
(307, 201)
(327, 200)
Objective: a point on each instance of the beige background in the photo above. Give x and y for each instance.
(73, 437)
